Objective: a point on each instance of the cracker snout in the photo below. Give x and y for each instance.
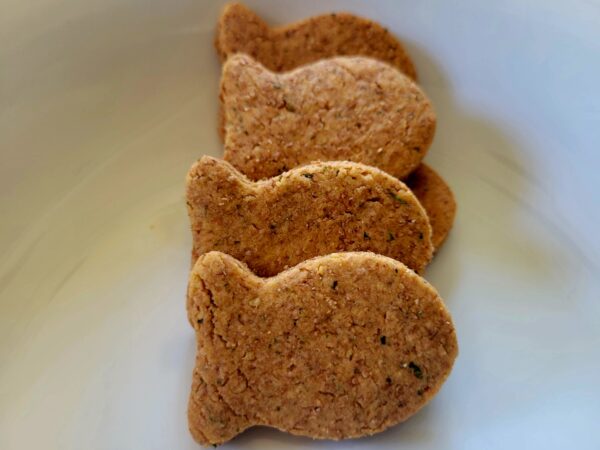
(437, 199)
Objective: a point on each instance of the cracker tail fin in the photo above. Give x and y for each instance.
(209, 174)
(213, 190)
(212, 180)
(211, 420)
(239, 72)
(240, 30)
(217, 278)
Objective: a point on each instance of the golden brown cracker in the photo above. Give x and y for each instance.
(340, 346)
(284, 48)
(437, 198)
(309, 211)
(345, 108)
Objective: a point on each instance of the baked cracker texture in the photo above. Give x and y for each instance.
(284, 48)
(309, 211)
(340, 346)
(344, 108)
(437, 198)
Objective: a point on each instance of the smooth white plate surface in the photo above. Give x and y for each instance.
(104, 104)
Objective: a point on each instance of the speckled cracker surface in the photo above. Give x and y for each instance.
(284, 48)
(340, 346)
(309, 211)
(345, 108)
(435, 196)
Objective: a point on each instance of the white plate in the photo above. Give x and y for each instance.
(105, 104)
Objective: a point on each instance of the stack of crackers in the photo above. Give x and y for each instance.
(310, 235)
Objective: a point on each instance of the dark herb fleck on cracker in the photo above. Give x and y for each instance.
(397, 198)
(288, 107)
(417, 372)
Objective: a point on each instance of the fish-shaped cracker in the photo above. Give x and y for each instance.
(340, 346)
(345, 108)
(286, 47)
(309, 211)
